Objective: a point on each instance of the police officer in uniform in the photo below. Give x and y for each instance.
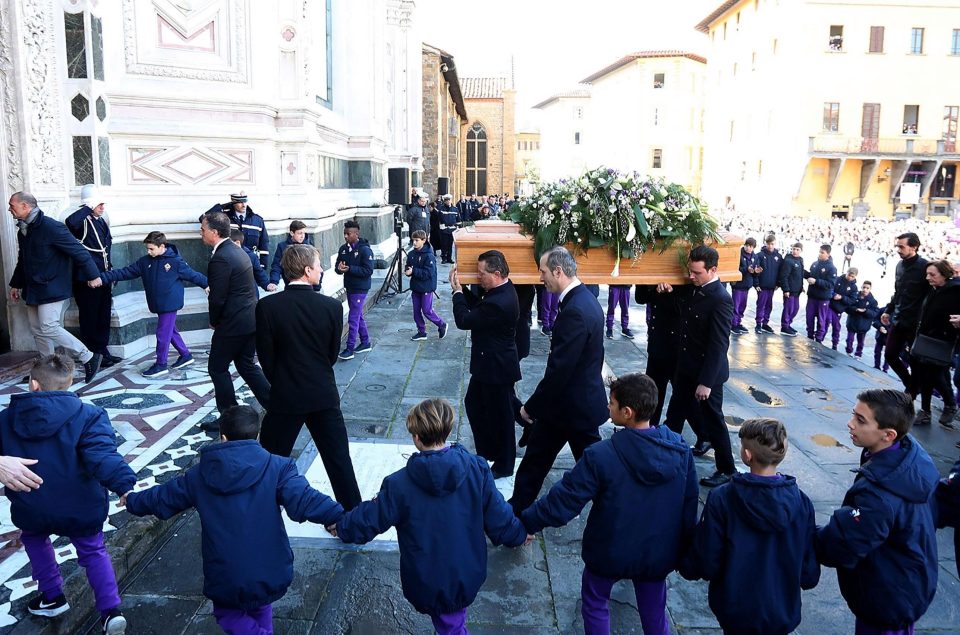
(242, 216)
(449, 219)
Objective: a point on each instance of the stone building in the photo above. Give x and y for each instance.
(444, 115)
(172, 105)
(488, 144)
(563, 133)
(528, 161)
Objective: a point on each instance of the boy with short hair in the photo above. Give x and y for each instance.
(638, 470)
(259, 273)
(618, 295)
(767, 274)
(355, 264)
(238, 489)
(296, 236)
(422, 270)
(758, 527)
(443, 564)
(844, 296)
(740, 289)
(860, 318)
(163, 273)
(881, 341)
(78, 461)
(791, 281)
(882, 541)
(821, 279)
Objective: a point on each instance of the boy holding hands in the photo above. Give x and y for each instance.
(861, 316)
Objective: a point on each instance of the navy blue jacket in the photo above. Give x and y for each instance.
(238, 488)
(826, 275)
(76, 450)
(424, 265)
(571, 393)
(360, 259)
(449, 218)
(43, 262)
(94, 234)
(259, 273)
(626, 477)
(255, 237)
(163, 279)
(276, 269)
(848, 293)
(791, 275)
(442, 503)
(771, 262)
(882, 541)
(749, 280)
(759, 530)
(861, 322)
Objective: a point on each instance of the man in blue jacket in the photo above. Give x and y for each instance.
(820, 279)
(355, 264)
(42, 278)
(882, 541)
(238, 489)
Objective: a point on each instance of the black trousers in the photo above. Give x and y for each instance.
(93, 306)
(490, 413)
(240, 350)
(898, 338)
(446, 246)
(280, 431)
(661, 369)
(546, 441)
(706, 419)
(927, 378)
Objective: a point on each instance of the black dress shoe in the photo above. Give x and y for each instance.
(701, 448)
(110, 360)
(501, 473)
(718, 478)
(92, 367)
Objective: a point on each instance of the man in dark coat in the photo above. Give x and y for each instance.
(418, 216)
(704, 340)
(570, 402)
(42, 278)
(298, 336)
(89, 226)
(242, 216)
(449, 218)
(232, 305)
(903, 312)
(491, 319)
(663, 342)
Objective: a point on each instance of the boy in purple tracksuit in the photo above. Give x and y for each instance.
(619, 295)
(163, 273)
(549, 308)
(791, 281)
(844, 296)
(767, 269)
(820, 279)
(78, 461)
(297, 235)
(758, 527)
(442, 503)
(861, 316)
(238, 489)
(741, 288)
(638, 470)
(422, 270)
(355, 264)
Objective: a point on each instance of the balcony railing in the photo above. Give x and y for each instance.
(836, 144)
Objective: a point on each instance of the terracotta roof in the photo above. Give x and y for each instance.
(704, 26)
(483, 87)
(583, 91)
(626, 59)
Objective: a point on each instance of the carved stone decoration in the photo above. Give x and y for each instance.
(187, 30)
(11, 122)
(189, 165)
(400, 13)
(41, 84)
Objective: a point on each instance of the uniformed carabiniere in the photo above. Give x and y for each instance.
(242, 216)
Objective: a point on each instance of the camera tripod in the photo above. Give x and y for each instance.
(393, 283)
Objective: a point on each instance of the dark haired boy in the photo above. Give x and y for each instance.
(296, 236)
(882, 541)
(860, 317)
(355, 264)
(77, 458)
(259, 273)
(767, 274)
(163, 273)
(759, 527)
(880, 342)
(422, 270)
(238, 489)
(791, 281)
(640, 469)
(740, 289)
(844, 296)
(820, 279)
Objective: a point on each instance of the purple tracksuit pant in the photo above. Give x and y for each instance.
(833, 325)
(764, 306)
(167, 333)
(651, 604)
(863, 628)
(423, 308)
(618, 295)
(881, 341)
(355, 321)
(238, 622)
(860, 338)
(818, 316)
(451, 623)
(791, 306)
(551, 305)
(739, 305)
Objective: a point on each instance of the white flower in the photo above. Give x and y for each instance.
(553, 206)
(631, 233)
(612, 209)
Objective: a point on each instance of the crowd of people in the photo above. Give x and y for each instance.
(880, 540)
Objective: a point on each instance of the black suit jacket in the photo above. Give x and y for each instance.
(492, 322)
(705, 335)
(571, 392)
(663, 324)
(233, 291)
(298, 336)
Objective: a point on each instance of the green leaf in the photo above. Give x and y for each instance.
(546, 238)
(596, 241)
(641, 221)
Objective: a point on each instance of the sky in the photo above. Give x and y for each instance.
(555, 44)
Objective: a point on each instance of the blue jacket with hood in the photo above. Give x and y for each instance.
(238, 488)
(359, 257)
(771, 261)
(643, 485)
(791, 274)
(825, 276)
(861, 322)
(424, 265)
(76, 450)
(882, 540)
(762, 530)
(441, 503)
(163, 277)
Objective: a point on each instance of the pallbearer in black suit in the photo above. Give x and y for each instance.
(703, 369)
(298, 336)
(570, 402)
(491, 319)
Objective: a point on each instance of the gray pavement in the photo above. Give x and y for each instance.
(534, 590)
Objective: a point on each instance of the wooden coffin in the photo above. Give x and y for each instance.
(593, 267)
